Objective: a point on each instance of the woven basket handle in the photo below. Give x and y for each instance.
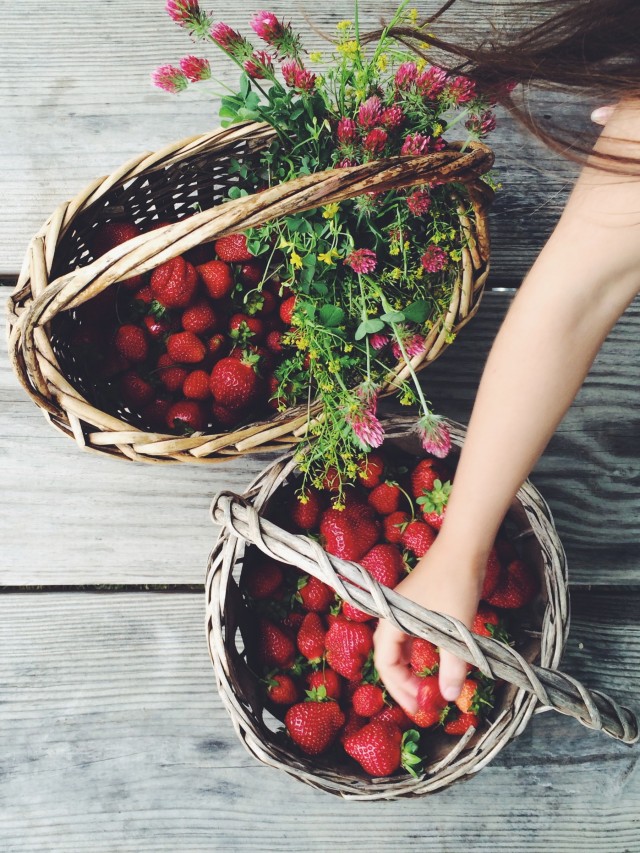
(554, 690)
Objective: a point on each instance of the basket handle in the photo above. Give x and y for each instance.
(553, 689)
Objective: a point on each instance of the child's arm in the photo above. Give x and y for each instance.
(582, 281)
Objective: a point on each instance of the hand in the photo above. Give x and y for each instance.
(448, 582)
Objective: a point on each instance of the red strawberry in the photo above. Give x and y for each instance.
(265, 304)
(156, 326)
(275, 646)
(423, 477)
(172, 377)
(136, 391)
(384, 563)
(385, 498)
(313, 726)
(418, 537)
(368, 700)
(196, 385)
(348, 646)
(305, 509)
(315, 595)
(274, 342)
(354, 613)
(244, 327)
(251, 273)
(294, 620)
(199, 318)
(113, 364)
(216, 344)
(226, 417)
(282, 689)
(155, 413)
(425, 658)
(186, 347)
(217, 278)
(461, 724)
(185, 415)
(310, 639)
(433, 503)
(327, 678)
(353, 724)
(517, 587)
(430, 700)
(113, 234)
(131, 343)
(484, 618)
(144, 295)
(370, 471)
(174, 283)
(349, 533)
(377, 747)
(331, 481)
(233, 248)
(234, 383)
(426, 719)
(472, 697)
(393, 526)
(492, 574)
(394, 714)
(286, 310)
(261, 580)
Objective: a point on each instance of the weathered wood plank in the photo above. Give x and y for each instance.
(76, 518)
(78, 103)
(115, 739)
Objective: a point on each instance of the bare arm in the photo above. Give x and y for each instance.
(582, 281)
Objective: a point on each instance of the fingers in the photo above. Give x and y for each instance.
(452, 675)
(601, 115)
(391, 658)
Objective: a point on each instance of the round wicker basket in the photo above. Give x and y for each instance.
(534, 684)
(59, 272)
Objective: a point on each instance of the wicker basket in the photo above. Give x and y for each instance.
(59, 272)
(534, 682)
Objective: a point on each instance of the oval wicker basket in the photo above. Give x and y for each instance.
(534, 684)
(59, 272)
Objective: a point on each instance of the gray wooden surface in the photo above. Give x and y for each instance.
(112, 737)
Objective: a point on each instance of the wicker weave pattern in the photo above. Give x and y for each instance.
(59, 273)
(538, 686)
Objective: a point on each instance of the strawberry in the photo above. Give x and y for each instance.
(172, 376)
(385, 498)
(313, 726)
(517, 587)
(155, 413)
(327, 678)
(423, 477)
(185, 415)
(461, 724)
(113, 234)
(274, 342)
(305, 509)
(233, 248)
(144, 295)
(113, 364)
(353, 724)
(216, 344)
(485, 622)
(234, 383)
(242, 327)
(348, 646)
(251, 274)
(261, 580)
(225, 417)
(136, 391)
(131, 343)
(199, 318)
(377, 747)
(384, 563)
(275, 646)
(418, 537)
(368, 700)
(314, 594)
(348, 533)
(282, 689)
(264, 303)
(492, 574)
(186, 347)
(430, 701)
(217, 278)
(310, 639)
(393, 526)
(263, 357)
(370, 470)
(156, 326)
(425, 658)
(174, 283)
(433, 503)
(287, 307)
(394, 714)
(293, 620)
(331, 481)
(354, 613)
(472, 697)
(426, 719)
(196, 385)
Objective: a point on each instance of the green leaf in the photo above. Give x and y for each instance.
(368, 327)
(227, 112)
(418, 311)
(331, 315)
(252, 101)
(245, 86)
(320, 287)
(393, 317)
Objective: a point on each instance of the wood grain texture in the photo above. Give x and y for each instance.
(76, 518)
(115, 740)
(77, 103)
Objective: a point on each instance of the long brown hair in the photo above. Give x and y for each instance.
(586, 48)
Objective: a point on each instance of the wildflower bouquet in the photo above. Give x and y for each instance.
(366, 281)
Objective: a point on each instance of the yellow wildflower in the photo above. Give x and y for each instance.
(303, 499)
(333, 367)
(314, 354)
(452, 233)
(328, 257)
(315, 56)
(394, 250)
(450, 338)
(455, 254)
(296, 260)
(419, 272)
(421, 63)
(407, 245)
(348, 347)
(302, 342)
(330, 211)
(339, 505)
(349, 49)
(343, 26)
(382, 62)
(437, 130)
(284, 244)
(398, 305)
(396, 273)
(407, 399)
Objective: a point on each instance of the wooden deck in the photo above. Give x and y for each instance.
(113, 737)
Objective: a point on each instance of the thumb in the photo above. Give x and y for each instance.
(453, 673)
(602, 114)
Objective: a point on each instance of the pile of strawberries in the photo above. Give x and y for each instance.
(191, 346)
(313, 651)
